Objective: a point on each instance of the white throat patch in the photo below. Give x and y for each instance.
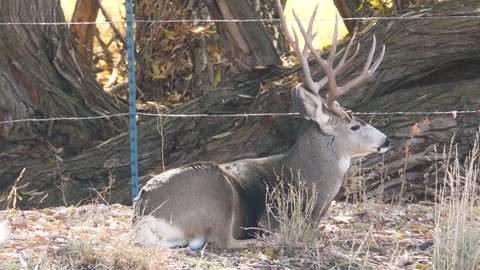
(344, 164)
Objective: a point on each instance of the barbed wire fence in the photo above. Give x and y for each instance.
(133, 115)
(181, 21)
(226, 115)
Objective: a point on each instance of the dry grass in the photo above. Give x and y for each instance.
(97, 237)
(85, 255)
(292, 205)
(457, 214)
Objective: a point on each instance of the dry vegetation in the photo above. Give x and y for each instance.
(364, 235)
(97, 237)
(457, 216)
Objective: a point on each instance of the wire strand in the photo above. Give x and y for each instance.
(249, 20)
(224, 115)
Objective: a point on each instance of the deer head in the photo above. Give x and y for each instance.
(356, 137)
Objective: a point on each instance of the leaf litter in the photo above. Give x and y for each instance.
(351, 236)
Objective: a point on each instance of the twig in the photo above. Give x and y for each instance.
(109, 19)
(104, 46)
(13, 192)
(118, 88)
(113, 79)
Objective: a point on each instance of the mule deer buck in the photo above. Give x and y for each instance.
(208, 202)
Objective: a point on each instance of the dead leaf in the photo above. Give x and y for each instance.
(415, 129)
(454, 114)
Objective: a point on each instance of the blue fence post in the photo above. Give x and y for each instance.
(132, 100)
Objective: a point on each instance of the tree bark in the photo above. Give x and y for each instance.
(85, 11)
(42, 77)
(429, 65)
(347, 9)
(268, 10)
(248, 43)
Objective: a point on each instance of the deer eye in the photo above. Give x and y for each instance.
(356, 127)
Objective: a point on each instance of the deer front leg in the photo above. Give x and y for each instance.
(322, 204)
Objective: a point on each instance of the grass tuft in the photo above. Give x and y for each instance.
(125, 256)
(291, 205)
(457, 213)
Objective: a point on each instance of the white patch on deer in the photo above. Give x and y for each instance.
(4, 231)
(154, 231)
(344, 164)
(197, 243)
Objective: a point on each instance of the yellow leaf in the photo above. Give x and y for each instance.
(360, 7)
(213, 31)
(376, 5)
(272, 255)
(419, 266)
(198, 29)
(399, 236)
(169, 34)
(218, 78)
(260, 67)
(155, 70)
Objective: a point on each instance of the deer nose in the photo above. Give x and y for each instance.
(386, 143)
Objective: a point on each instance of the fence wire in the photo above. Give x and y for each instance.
(453, 113)
(420, 17)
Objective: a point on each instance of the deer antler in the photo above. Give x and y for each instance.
(335, 90)
(301, 54)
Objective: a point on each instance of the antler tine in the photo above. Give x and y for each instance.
(310, 27)
(336, 91)
(378, 61)
(301, 54)
(367, 72)
(325, 65)
(344, 60)
(333, 48)
(343, 64)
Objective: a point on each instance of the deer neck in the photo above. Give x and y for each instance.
(316, 158)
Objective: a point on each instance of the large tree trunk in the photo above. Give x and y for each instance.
(348, 9)
(430, 65)
(41, 77)
(248, 43)
(85, 11)
(268, 10)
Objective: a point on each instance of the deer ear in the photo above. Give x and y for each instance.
(309, 105)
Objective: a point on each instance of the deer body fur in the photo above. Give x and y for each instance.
(204, 202)
(207, 202)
